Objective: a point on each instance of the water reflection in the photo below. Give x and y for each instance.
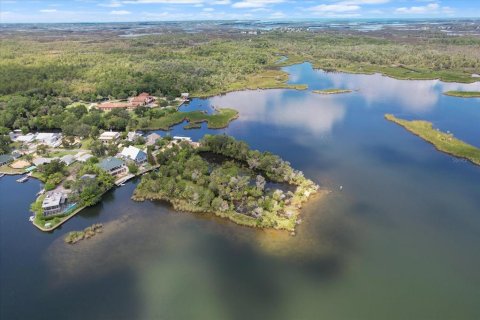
(313, 114)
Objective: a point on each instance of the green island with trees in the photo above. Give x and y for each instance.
(225, 177)
(332, 91)
(444, 142)
(74, 237)
(463, 94)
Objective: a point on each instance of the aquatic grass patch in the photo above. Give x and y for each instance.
(332, 91)
(442, 141)
(463, 94)
(218, 120)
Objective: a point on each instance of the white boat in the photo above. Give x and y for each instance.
(2, 175)
(31, 218)
(22, 179)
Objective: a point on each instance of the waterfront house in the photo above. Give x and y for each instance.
(134, 154)
(152, 139)
(109, 136)
(54, 203)
(68, 159)
(132, 136)
(180, 138)
(5, 159)
(113, 166)
(185, 96)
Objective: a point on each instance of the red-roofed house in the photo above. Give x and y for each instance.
(141, 100)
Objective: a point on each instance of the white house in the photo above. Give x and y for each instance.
(26, 138)
(68, 159)
(54, 203)
(152, 138)
(134, 154)
(132, 136)
(109, 136)
(51, 139)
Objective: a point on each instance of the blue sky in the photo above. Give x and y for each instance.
(167, 10)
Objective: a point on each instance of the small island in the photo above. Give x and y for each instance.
(225, 177)
(87, 233)
(442, 141)
(463, 94)
(332, 91)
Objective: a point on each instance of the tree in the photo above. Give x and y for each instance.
(98, 148)
(132, 168)
(150, 157)
(42, 149)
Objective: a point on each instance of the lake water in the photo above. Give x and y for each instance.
(400, 241)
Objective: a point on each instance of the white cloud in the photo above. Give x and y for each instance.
(48, 10)
(164, 1)
(120, 12)
(112, 4)
(429, 8)
(208, 9)
(255, 3)
(328, 8)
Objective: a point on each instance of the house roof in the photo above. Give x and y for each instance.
(68, 159)
(114, 105)
(47, 136)
(53, 199)
(110, 163)
(109, 135)
(40, 160)
(5, 158)
(133, 153)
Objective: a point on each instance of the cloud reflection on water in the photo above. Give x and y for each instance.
(312, 113)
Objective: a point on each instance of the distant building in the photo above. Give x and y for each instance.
(179, 138)
(39, 161)
(134, 154)
(109, 106)
(185, 96)
(26, 138)
(54, 203)
(51, 139)
(113, 166)
(132, 136)
(5, 159)
(68, 159)
(141, 100)
(83, 157)
(109, 136)
(152, 139)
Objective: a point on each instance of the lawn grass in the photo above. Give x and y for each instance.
(442, 141)
(332, 91)
(463, 94)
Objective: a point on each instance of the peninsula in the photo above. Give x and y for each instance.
(332, 91)
(442, 141)
(225, 177)
(463, 94)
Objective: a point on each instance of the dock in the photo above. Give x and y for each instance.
(124, 179)
(23, 179)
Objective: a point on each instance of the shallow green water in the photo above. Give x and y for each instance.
(400, 241)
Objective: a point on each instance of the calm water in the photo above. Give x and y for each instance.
(400, 241)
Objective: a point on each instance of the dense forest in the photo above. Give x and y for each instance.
(40, 77)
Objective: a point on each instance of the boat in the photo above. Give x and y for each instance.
(2, 175)
(39, 193)
(31, 218)
(22, 179)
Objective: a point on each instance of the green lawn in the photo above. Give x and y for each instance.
(442, 141)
